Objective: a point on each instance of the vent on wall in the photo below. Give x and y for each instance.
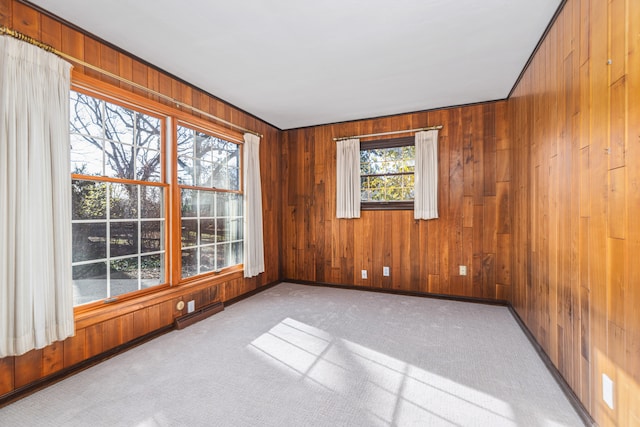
(196, 316)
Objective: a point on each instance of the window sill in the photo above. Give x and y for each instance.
(386, 206)
(99, 311)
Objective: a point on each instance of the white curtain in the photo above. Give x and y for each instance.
(36, 293)
(253, 238)
(426, 175)
(348, 178)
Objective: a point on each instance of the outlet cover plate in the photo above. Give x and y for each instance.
(463, 270)
(385, 271)
(364, 274)
(191, 306)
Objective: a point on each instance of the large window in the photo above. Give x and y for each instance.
(211, 202)
(118, 190)
(387, 173)
(122, 197)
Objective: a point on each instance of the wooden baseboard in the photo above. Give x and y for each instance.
(564, 385)
(402, 292)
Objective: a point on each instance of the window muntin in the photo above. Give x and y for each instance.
(118, 200)
(387, 173)
(211, 209)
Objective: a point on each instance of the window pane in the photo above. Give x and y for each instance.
(151, 238)
(207, 204)
(189, 232)
(204, 146)
(151, 270)
(86, 114)
(124, 238)
(89, 241)
(222, 204)
(235, 204)
(204, 171)
(234, 178)
(222, 230)
(236, 229)
(118, 123)
(207, 258)
(119, 160)
(89, 282)
(207, 231)
(377, 195)
(124, 201)
(185, 141)
(219, 177)
(220, 153)
(189, 205)
(408, 181)
(151, 202)
(365, 168)
(186, 171)
(236, 253)
(148, 165)
(223, 254)
(86, 156)
(148, 132)
(189, 262)
(89, 199)
(124, 276)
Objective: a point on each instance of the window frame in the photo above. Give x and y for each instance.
(127, 97)
(404, 141)
(106, 95)
(202, 126)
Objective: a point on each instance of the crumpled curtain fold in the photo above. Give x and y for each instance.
(426, 175)
(36, 291)
(348, 178)
(253, 234)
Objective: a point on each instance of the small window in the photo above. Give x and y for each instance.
(387, 173)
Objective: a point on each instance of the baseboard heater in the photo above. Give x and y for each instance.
(198, 315)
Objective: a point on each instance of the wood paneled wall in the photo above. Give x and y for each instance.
(106, 328)
(474, 228)
(575, 126)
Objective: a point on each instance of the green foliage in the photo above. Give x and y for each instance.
(89, 199)
(387, 174)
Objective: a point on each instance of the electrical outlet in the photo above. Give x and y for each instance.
(364, 274)
(463, 270)
(385, 271)
(607, 390)
(191, 306)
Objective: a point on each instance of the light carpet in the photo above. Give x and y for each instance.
(298, 355)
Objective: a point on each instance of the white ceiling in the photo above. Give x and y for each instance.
(296, 63)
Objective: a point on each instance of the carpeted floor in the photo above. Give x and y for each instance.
(298, 355)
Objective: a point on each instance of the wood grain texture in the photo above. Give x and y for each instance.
(424, 256)
(575, 127)
(107, 327)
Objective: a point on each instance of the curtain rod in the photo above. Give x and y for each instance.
(389, 133)
(48, 48)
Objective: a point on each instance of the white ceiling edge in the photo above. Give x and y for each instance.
(297, 64)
